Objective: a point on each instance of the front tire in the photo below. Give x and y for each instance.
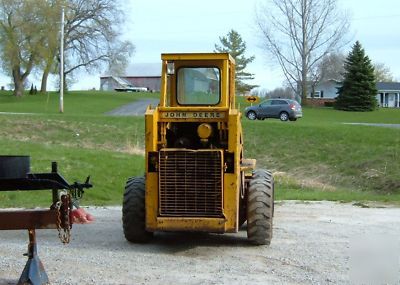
(260, 207)
(251, 115)
(134, 212)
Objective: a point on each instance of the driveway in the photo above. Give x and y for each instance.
(397, 126)
(137, 108)
(313, 243)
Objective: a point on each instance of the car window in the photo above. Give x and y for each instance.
(282, 102)
(266, 103)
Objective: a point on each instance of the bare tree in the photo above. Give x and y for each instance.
(299, 33)
(92, 40)
(383, 73)
(330, 67)
(281, 92)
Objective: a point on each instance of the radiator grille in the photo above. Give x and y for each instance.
(190, 183)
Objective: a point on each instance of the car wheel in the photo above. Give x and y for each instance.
(283, 116)
(251, 115)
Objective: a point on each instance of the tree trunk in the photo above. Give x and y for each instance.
(65, 83)
(45, 75)
(18, 83)
(43, 87)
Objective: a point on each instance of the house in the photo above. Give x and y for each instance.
(388, 93)
(146, 75)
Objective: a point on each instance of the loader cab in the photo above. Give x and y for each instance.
(197, 80)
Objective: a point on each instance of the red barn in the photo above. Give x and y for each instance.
(146, 75)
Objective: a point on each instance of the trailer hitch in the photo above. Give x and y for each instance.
(77, 189)
(15, 176)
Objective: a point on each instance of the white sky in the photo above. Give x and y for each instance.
(157, 26)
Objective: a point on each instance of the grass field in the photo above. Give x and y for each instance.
(315, 158)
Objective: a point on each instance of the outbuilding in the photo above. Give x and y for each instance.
(147, 75)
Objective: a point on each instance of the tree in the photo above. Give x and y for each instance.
(281, 92)
(92, 39)
(233, 44)
(51, 44)
(299, 33)
(21, 37)
(359, 87)
(383, 73)
(331, 67)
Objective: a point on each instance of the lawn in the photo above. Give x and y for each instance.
(315, 158)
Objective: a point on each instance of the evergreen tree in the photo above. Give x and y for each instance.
(31, 90)
(236, 47)
(358, 91)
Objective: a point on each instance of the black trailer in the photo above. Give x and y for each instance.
(15, 175)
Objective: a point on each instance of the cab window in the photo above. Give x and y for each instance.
(198, 86)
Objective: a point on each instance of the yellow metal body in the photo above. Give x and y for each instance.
(224, 114)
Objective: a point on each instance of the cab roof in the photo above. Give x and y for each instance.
(197, 56)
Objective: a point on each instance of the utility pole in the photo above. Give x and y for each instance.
(62, 63)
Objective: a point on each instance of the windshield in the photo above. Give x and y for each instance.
(198, 86)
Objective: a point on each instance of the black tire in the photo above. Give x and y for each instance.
(251, 115)
(284, 116)
(260, 207)
(133, 211)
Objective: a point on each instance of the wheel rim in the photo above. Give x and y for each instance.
(284, 117)
(251, 115)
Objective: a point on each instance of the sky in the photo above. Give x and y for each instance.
(158, 26)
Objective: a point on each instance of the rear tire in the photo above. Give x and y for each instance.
(134, 212)
(283, 116)
(251, 115)
(260, 207)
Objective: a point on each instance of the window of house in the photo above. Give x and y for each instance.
(317, 94)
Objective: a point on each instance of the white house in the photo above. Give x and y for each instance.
(388, 92)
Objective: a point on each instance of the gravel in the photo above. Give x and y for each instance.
(137, 108)
(312, 244)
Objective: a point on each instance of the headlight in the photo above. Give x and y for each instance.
(204, 131)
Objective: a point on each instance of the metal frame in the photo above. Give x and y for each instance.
(34, 272)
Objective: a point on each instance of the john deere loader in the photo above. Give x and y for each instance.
(197, 179)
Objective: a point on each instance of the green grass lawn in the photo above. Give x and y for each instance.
(315, 158)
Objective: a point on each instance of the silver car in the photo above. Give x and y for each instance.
(283, 109)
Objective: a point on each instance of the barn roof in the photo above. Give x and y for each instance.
(140, 70)
(143, 70)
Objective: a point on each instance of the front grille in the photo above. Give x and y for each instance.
(190, 183)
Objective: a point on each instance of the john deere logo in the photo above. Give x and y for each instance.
(191, 115)
(252, 99)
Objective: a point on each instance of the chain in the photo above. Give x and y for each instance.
(65, 233)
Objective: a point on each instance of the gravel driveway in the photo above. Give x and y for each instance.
(312, 245)
(137, 108)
